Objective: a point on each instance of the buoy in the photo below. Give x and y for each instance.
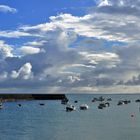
(132, 115)
(19, 104)
(41, 104)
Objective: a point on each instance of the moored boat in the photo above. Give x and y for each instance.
(70, 108)
(64, 101)
(84, 107)
(1, 105)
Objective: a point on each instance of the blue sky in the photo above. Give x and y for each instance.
(36, 12)
(70, 46)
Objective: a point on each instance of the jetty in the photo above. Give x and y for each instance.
(14, 97)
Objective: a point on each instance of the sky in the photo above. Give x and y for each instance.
(70, 46)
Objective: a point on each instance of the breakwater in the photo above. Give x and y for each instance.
(12, 97)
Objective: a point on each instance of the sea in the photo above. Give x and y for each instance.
(30, 121)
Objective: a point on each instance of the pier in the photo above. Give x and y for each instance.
(12, 97)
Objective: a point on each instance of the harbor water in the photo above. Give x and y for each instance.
(31, 121)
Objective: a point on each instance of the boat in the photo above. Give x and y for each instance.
(109, 99)
(41, 104)
(126, 101)
(75, 101)
(84, 107)
(19, 105)
(120, 102)
(70, 108)
(64, 101)
(94, 100)
(107, 104)
(101, 99)
(1, 105)
(137, 101)
(101, 105)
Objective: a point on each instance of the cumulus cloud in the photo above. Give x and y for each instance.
(5, 50)
(130, 3)
(25, 72)
(6, 9)
(135, 80)
(94, 58)
(77, 53)
(107, 22)
(3, 76)
(98, 25)
(62, 65)
(129, 65)
(104, 3)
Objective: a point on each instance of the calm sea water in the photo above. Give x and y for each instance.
(52, 122)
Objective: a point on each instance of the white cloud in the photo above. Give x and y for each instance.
(95, 58)
(99, 25)
(3, 76)
(27, 50)
(125, 3)
(82, 65)
(25, 72)
(130, 3)
(73, 79)
(104, 3)
(36, 43)
(6, 8)
(112, 23)
(5, 50)
(70, 66)
(77, 54)
(16, 34)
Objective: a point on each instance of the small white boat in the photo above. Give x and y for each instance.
(84, 107)
(70, 108)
